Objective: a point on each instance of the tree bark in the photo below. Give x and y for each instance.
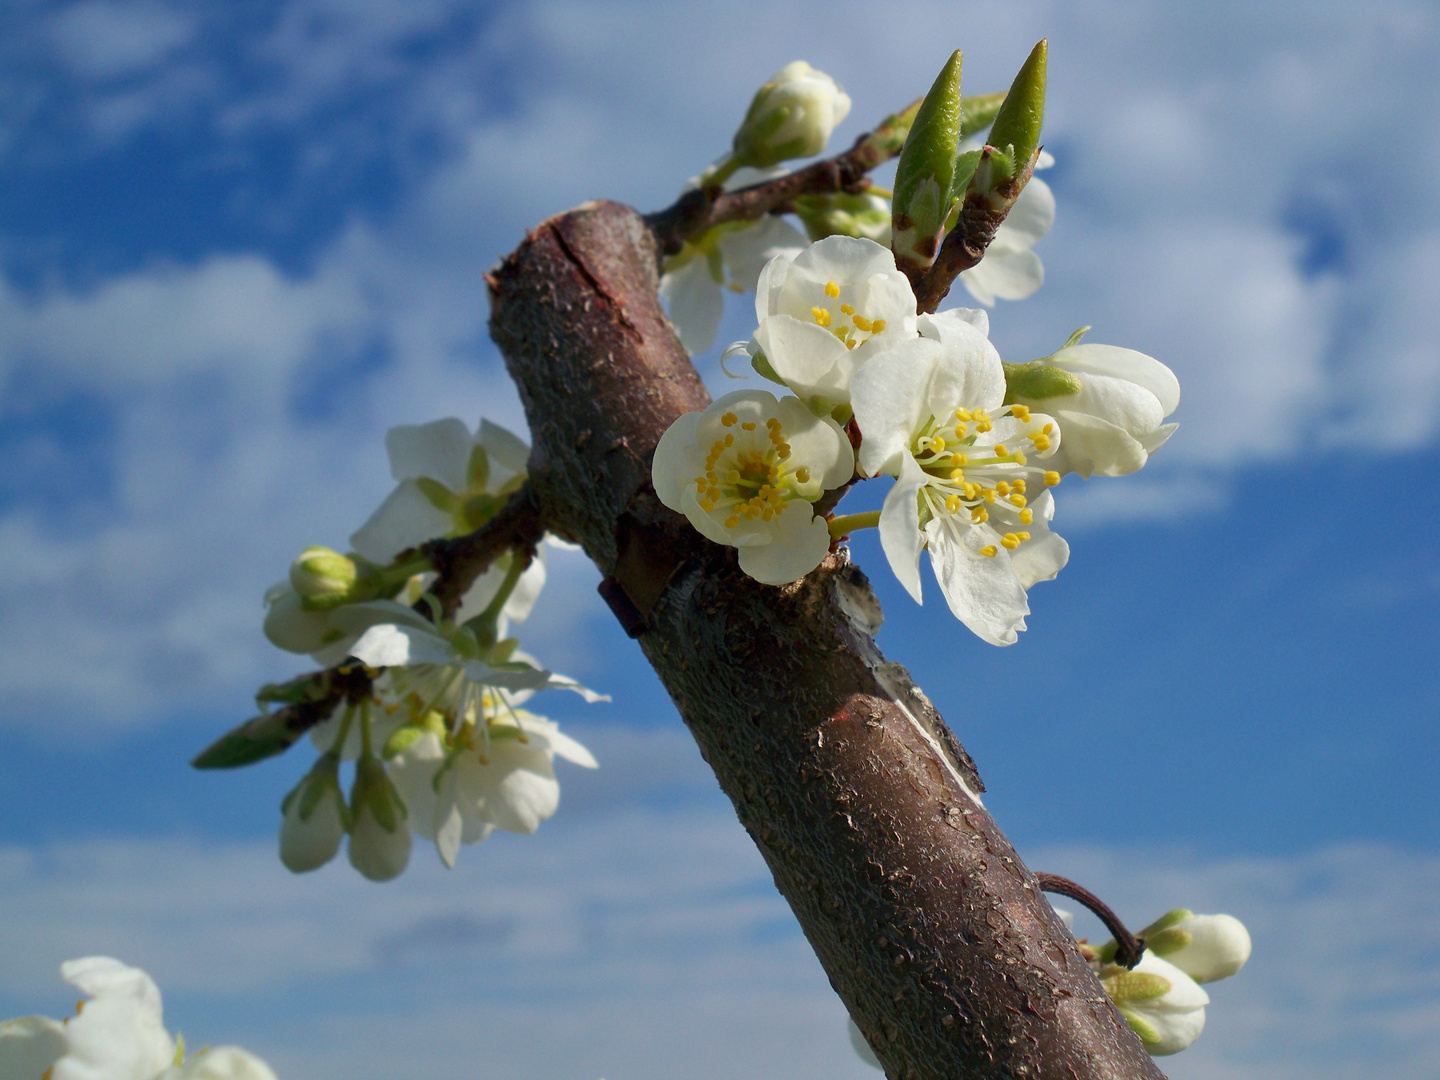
(861, 801)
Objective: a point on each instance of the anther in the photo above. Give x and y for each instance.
(989, 551)
(732, 521)
(1052, 478)
(729, 419)
(1001, 451)
(862, 323)
(1042, 443)
(1016, 500)
(748, 425)
(847, 309)
(877, 326)
(822, 316)
(803, 474)
(1021, 413)
(1027, 516)
(1003, 487)
(952, 503)
(1011, 541)
(832, 290)
(1019, 485)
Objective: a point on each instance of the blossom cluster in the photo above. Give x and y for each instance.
(441, 745)
(118, 1033)
(975, 445)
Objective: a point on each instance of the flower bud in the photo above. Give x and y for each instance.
(1110, 404)
(1162, 1004)
(1205, 947)
(842, 214)
(925, 174)
(315, 818)
(791, 116)
(291, 626)
(323, 578)
(379, 837)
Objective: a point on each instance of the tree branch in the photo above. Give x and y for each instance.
(862, 802)
(701, 209)
(460, 560)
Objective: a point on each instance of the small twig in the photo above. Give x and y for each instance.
(1128, 948)
(981, 214)
(699, 210)
(460, 560)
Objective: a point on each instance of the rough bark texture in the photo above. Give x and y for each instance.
(863, 804)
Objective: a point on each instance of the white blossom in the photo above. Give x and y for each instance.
(1205, 947)
(493, 771)
(931, 413)
(827, 311)
(379, 836)
(117, 1034)
(745, 472)
(725, 259)
(1115, 421)
(450, 483)
(1163, 1006)
(791, 116)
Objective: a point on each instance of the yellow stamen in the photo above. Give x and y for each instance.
(989, 494)
(1011, 541)
(877, 326)
(1041, 443)
(989, 551)
(832, 290)
(1001, 451)
(1019, 485)
(732, 521)
(847, 309)
(748, 425)
(1016, 500)
(729, 419)
(862, 323)
(952, 503)
(962, 414)
(1052, 478)
(822, 316)
(803, 474)
(1027, 516)
(1003, 487)
(1021, 413)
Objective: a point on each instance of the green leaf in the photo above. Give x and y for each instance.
(1148, 1033)
(1164, 922)
(1018, 122)
(255, 740)
(978, 112)
(925, 175)
(1126, 986)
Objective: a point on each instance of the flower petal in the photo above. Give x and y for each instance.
(799, 541)
(696, 302)
(29, 1045)
(504, 449)
(1010, 274)
(439, 450)
(677, 461)
(406, 518)
(747, 251)
(1127, 364)
(813, 362)
(1031, 217)
(982, 591)
(900, 536)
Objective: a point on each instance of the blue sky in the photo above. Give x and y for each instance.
(237, 242)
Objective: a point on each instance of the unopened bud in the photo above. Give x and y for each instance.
(1038, 381)
(925, 174)
(291, 626)
(315, 818)
(842, 214)
(324, 578)
(379, 836)
(791, 116)
(1162, 1004)
(1205, 947)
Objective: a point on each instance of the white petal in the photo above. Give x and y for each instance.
(1045, 554)
(696, 302)
(378, 854)
(891, 397)
(677, 461)
(746, 251)
(439, 450)
(817, 442)
(770, 284)
(119, 1033)
(389, 645)
(222, 1063)
(798, 542)
(1126, 364)
(1004, 273)
(406, 518)
(983, 592)
(840, 259)
(900, 536)
(564, 682)
(449, 834)
(1091, 444)
(1031, 217)
(30, 1045)
(813, 362)
(504, 449)
(936, 326)
(574, 752)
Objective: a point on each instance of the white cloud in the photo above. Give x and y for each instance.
(627, 935)
(104, 39)
(249, 402)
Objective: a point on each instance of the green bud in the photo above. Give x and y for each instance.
(255, 740)
(864, 215)
(1147, 1032)
(402, 740)
(1038, 381)
(888, 139)
(978, 112)
(323, 578)
(1016, 131)
(374, 792)
(1169, 940)
(925, 175)
(791, 116)
(1169, 919)
(1126, 986)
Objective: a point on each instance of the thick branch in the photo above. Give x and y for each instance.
(858, 796)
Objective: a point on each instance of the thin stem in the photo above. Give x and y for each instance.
(396, 575)
(1128, 948)
(845, 524)
(519, 563)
